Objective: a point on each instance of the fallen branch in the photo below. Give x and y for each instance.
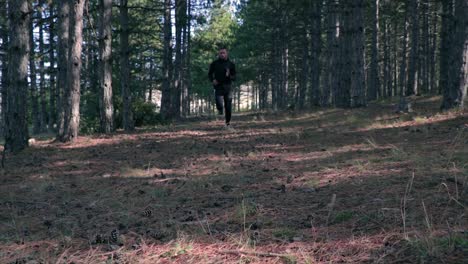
(260, 254)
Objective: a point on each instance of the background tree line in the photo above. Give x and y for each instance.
(75, 65)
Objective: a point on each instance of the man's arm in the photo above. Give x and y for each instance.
(210, 72)
(233, 71)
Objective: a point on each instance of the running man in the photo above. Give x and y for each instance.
(221, 74)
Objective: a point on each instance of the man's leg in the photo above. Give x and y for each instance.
(219, 102)
(228, 105)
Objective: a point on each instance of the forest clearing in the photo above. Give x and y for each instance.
(233, 131)
(353, 186)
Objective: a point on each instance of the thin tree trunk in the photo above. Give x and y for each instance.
(167, 62)
(433, 88)
(42, 83)
(4, 61)
(63, 51)
(402, 76)
(72, 92)
(35, 113)
(424, 76)
(177, 79)
(127, 112)
(52, 71)
(411, 85)
(316, 48)
(332, 82)
(16, 128)
(105, 59)
(374, 80)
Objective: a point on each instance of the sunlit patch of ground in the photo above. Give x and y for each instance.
(355, 186)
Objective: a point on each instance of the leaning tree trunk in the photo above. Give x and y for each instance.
(62, 64)
(127, 112)
(16, 127)
(72, 94)
(105, 59)
(454, 45)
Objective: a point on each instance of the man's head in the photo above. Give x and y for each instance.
(223, 53)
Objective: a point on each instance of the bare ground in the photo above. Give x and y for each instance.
(326, 186)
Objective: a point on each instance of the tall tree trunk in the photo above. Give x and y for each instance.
(63, 51)
(16, 128)
(42, 83)
(454, 45)
(374, 80)
(72, 92)
(167, 62)
(188, 77)
(432, 57)
(35, 112)
(356, 33)
(337, 66)
(387, 80)
(343, 96)
(304, 78)
(316, 48)
(424, 64)
(402, 76)
(177, 79)
(105, 59)
(52, 71)
(331, 84)
(4, 61)
(411, 85)
(127, 113)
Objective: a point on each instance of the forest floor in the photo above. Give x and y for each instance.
(327, 186)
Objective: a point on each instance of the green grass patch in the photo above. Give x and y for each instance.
(343, 216)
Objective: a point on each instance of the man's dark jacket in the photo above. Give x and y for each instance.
(218, 70)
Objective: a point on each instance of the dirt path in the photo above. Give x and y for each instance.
(308, 188)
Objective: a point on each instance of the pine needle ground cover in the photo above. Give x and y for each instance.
(326, 186)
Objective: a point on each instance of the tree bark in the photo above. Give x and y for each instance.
(35, 113)
(42, 82)
(105, 72)
(16, 128)
(127, 112)
(63, 51)
(356, 33)
(454, 45)
(4, 61)
(316, 49)
(52, 71)
(167, 62)
(374, 80)
(72, 92)
(177, 80)
(411, 85)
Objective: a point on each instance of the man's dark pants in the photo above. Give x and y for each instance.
(223, 94)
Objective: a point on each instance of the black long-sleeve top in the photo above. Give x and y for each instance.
(223, 71)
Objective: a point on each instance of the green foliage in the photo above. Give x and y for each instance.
(219, 30)
(144, 113)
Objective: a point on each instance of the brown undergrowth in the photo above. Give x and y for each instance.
(327, 186)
